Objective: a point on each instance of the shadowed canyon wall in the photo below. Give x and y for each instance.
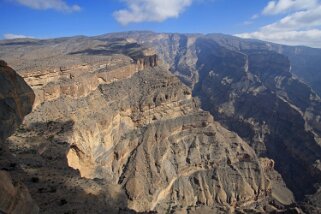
(16, 99)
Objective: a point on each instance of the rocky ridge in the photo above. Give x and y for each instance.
(147, 146)
(251, 87)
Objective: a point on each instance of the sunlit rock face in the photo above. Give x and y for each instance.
(132, 130)
(148, 136)
(136, 139)
(16, 99)
(257, 89)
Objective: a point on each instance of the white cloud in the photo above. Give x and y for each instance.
(310, 38)
(150, 10)
(15, 36)
(298, 20)
(59, 5)
(281, 6)
(301, 27)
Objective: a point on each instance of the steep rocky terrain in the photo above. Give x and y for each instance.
(16, 99)
(305, 61)
(263, 105)
(113, 131)
(249, 87)
(136, 139)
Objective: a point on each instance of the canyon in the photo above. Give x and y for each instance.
(148, 122)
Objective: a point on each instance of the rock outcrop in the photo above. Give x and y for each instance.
(138, 139)
(16, 99)
(249, 87)
(257, 97)
(123, 121)
(148, 137)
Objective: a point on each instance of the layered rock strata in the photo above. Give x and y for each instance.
(137, 137)
(148, 137)
(252, 88)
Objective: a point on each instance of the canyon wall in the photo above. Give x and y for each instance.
(16, 99)
(254, 88)
(137, 140)
(148, 137)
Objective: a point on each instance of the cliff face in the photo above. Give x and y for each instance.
(250, 88)
(148, 137)
(305, 61)
(305, 64)
(107, 107)
(259, 100)
(136, 140)
(16, 99)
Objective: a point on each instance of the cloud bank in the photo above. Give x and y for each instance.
(58, 5)
(301, 26)
(282, 6)
(150, 10)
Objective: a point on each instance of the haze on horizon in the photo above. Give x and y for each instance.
(291, 22)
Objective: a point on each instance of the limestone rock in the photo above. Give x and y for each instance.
(16, 99)
(255, 89)
(148, 138)
(123, 121)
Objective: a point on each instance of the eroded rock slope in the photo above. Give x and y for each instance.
(138, 139)
(252, 88)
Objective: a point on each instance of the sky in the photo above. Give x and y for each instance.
(292, 22)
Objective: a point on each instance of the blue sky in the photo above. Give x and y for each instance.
(262, 19)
